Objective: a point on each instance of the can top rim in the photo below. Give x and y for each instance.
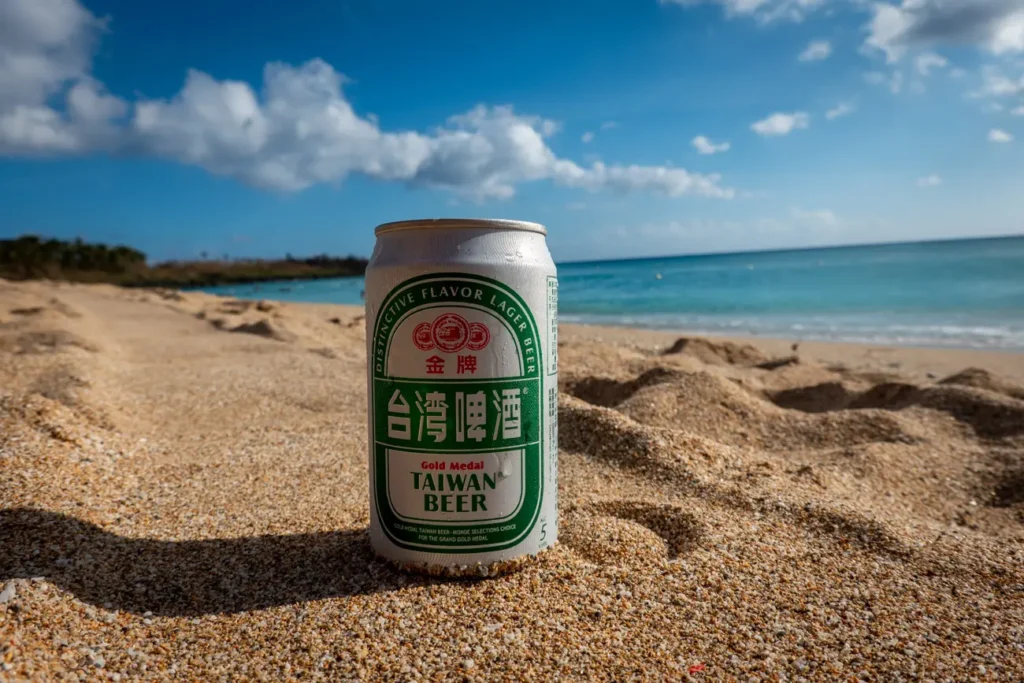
(460, 224)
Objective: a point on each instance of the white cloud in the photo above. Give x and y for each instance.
(781, 123)
(587, 137)
(763, 10)
(929, 181)
(667, 180)
(297, 130)
(999, 136)
(840, 110)
(305, 132)
(1008, 35)
(926, 61)
(608, 125)
(705, 146)
(44, 44)
(996, 25)
(821, 218)
(897, 27)
(45, 58)
(816, 51)
(995, 83)
(885, 30)
(302, 132)
(893, 81)
(1019, 111)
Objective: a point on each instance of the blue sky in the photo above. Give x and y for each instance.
(629, 127)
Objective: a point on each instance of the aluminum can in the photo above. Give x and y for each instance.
(462, 349)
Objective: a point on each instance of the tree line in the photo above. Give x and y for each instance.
(33, 257)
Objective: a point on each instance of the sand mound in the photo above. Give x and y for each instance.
(982, 379)
(610, 392)
(680, 530)
(717, 352)
(990, 414)
(264, 328)
(168, 507)
(32, 322)
(31, 310)
(710, 405)
(605, 539)
(1009, 490)
(43, 341)
(820, 398)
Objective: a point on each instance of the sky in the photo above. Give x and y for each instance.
(629, 127)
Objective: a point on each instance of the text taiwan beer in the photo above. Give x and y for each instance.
(461, 330)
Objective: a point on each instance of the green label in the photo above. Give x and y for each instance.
(457, 413)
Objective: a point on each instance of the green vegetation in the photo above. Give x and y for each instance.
(30, 257)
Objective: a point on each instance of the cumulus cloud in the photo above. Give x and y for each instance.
(44, 44)
(1019, 111)
(1008, 36)
(298, 129)
(587, 138)
(816, 51)
(926, 61)
(303, 131)
(996, 25)
(762, 10)
(46, 51)
(840, 110)
(999, 136)
(705, 146)
(781, 123)
(929, 181)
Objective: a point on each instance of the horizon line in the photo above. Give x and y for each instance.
(854, 245)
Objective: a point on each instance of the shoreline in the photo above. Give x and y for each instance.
(917, 360)
(270, 292)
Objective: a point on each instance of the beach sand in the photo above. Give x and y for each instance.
(183, 494)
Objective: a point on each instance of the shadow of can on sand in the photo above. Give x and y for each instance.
(191, 578)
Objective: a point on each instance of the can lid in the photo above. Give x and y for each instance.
(460, 224)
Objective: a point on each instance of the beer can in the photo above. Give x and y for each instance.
(461, 330)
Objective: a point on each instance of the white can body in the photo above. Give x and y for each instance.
(461, 329)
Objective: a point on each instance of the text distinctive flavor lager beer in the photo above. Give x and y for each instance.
(461, 331)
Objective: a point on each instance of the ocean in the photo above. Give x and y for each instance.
(963, 293)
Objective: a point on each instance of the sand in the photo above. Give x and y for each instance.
(183, 494)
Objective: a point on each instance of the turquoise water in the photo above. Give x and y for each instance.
(967, 293)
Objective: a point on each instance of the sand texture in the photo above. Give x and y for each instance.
(183, 495)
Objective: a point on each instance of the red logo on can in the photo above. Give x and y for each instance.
(421, 337)
(450, 332)
(479, 337)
